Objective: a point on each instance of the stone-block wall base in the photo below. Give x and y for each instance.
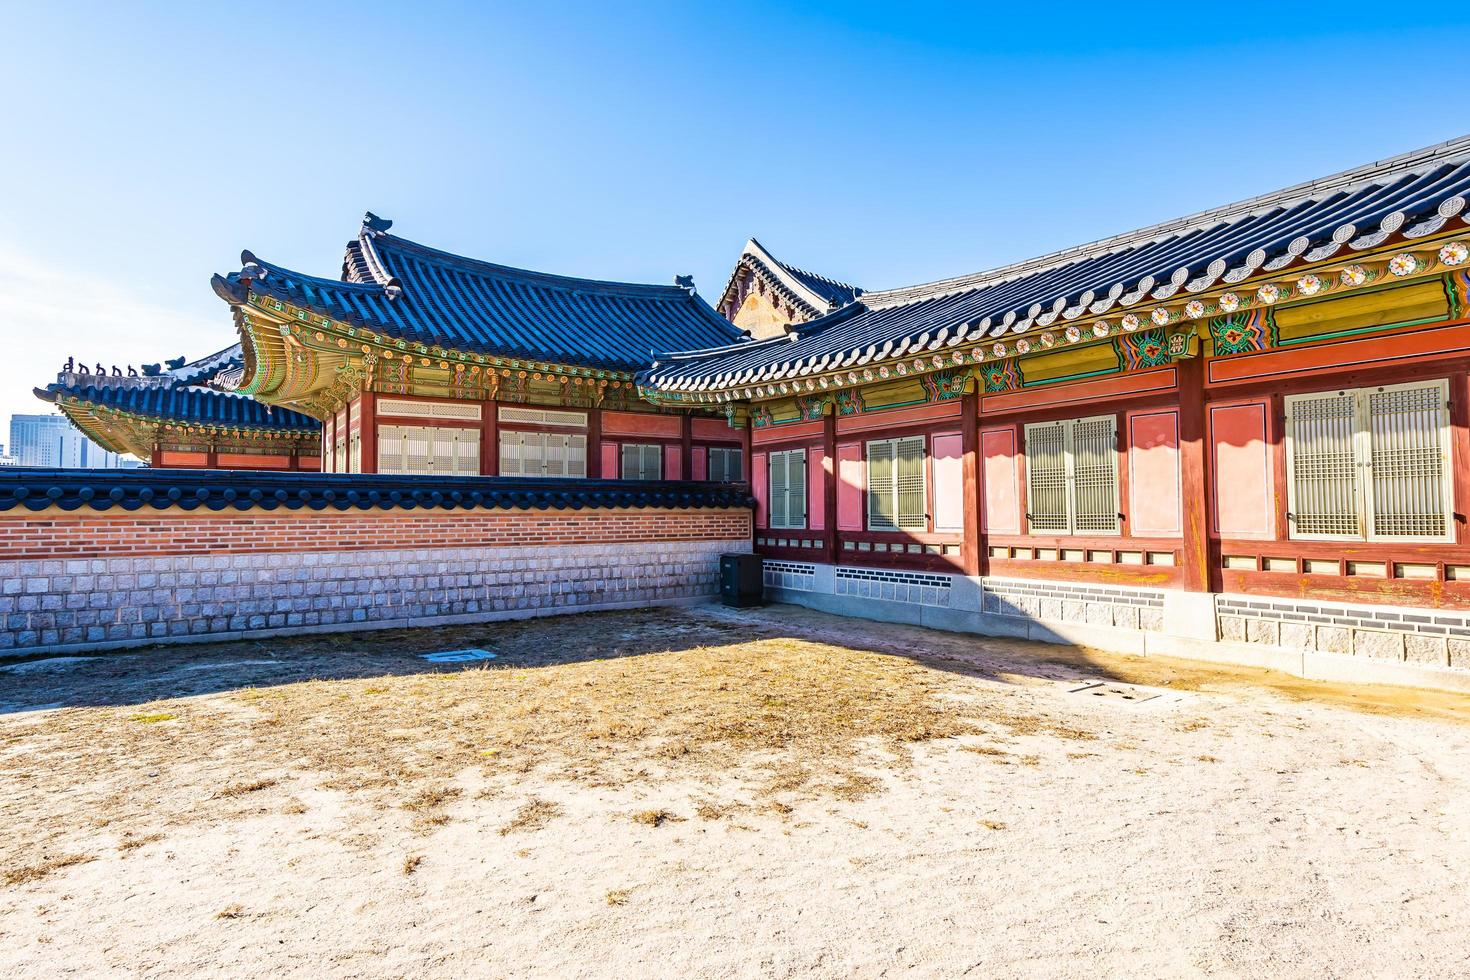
(1325, 641)
(366, 579)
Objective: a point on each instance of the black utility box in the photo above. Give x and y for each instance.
(741, 581)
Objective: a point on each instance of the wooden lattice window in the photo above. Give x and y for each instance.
(725, 464)
(428, 450)
(896, 491)
(788, 489)
(542, 454)
(642, 461)
(1072, 476)
(1370, 464)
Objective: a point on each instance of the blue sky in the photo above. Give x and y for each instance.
(146, 145)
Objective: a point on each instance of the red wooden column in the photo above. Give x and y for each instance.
(211, 458)
(156, 459)
(686, 440)
(831, 547)
(1196, 552)
(489, 439)
(293, 462)
(367, 431)
(970, 446)
(594, 444)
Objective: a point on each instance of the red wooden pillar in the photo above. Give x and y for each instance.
(1196, 552)
(367, 431)
(293, 461)
(489, 439)
(211, 458)
(594, 444)
(686, 440)
(156, 459)
(970, 464)
(829, 485)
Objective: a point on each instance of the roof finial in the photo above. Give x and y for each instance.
(684, 282)
(375, 224)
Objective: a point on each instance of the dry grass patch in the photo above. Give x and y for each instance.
(656, 818)
(534, 815)
(236, 911)
(614, 699)
(35, 872)
(411, 863)
(253, 786)
(618, 896)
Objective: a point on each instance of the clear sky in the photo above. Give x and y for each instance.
(144, 145)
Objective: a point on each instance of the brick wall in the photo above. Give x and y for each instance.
(84, 580)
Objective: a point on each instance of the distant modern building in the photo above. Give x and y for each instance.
(51, 440)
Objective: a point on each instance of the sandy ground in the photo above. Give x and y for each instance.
(722, 793)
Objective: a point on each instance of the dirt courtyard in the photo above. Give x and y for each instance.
(713, 792)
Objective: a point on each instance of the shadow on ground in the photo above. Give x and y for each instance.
(144, 675)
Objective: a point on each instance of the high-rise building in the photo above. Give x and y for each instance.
(51, 440)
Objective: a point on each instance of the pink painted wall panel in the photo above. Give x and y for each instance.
(1001, 500)
(640, 424)
(1154, 509)
(698, 463)
(816, 489)
(714, 430)
(760, 486)
(850, 486)
(1241, 453)
(948, 455)
(612, 464)
(673, 463)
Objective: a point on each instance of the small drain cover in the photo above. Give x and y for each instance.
(1116, 692)
(456, 656)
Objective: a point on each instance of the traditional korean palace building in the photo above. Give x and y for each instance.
(1268, 399)
(1244, 433)
(418, 361)
(184, 415)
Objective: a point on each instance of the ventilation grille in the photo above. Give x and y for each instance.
(543, 416)
(464, 411)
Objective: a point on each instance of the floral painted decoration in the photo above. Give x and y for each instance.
(1403, 264)
(1229, 302)
(1309, 285)
(1353, 275)
(1130, 322)
(1023, 346)
(1048, 339)
(1159, 316)
(1454, 253)
(999, 350)
(1269, 293)
(1194, 309)
(1073, 335)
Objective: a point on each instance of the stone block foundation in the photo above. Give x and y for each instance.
(1328, 641)
(78, 582)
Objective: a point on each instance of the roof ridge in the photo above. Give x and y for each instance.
(1438, 153)
(669, 292)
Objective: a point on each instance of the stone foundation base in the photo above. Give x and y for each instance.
(1319, 640)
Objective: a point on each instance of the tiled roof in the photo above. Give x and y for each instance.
(180, 403)
(240, 490)
(1405, 197)
(817, 294)
(419, 294)
(207, 369)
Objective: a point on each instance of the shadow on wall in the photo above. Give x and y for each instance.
(142, 675)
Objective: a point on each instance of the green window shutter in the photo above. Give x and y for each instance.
(1094, 477)
(909, 487)
(1046, 478)
(1408, 489)
(882, 515)
(1324, 498)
